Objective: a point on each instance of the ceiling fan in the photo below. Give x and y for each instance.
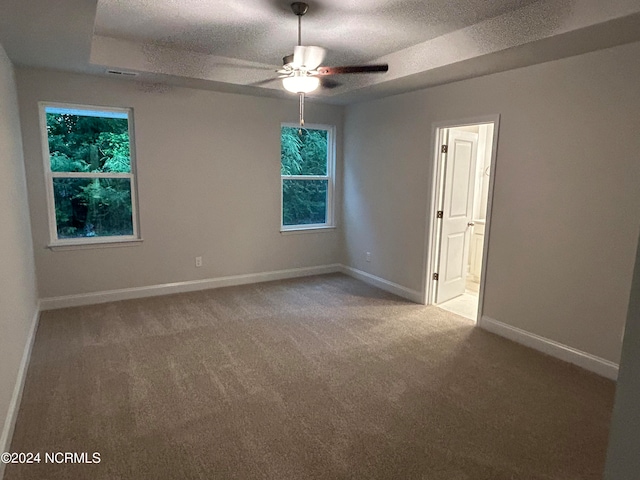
(302, 72)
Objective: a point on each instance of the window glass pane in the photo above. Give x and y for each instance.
(87, 142)
(303, 151)
(304, 202)
(92, 207)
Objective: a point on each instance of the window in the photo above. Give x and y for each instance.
(307, 159)
(90, 174)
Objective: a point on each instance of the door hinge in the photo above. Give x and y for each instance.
(440, 214)
(435, 276)
(445, 149)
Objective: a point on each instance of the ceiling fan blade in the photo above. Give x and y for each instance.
(308, 57)
(381, 68)
(239, 65)
(264, 82)
(329, 83)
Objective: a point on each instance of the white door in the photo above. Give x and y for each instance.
(457, 207)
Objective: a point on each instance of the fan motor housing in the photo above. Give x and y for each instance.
(299, 8)
(287, 60)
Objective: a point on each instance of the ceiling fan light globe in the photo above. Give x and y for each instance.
(300, 84)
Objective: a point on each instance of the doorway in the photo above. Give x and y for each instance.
(461, 206)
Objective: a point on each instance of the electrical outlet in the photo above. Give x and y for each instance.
(367, 256)
(198, 261)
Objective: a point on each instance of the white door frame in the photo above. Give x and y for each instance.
(432, 240)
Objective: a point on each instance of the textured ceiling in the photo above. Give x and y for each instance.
(264, 31)
(233, 46)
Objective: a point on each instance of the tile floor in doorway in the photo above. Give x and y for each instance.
(465, 305)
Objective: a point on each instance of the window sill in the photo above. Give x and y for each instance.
(316, 229)
(58, 247)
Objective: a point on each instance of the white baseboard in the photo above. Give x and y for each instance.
(582, 359)
(16, 397)
(52, 303)
(383, 284)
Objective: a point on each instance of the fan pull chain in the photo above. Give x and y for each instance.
(301, 113)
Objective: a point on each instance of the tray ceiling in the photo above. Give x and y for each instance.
(229, 45)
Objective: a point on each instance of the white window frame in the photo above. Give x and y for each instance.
(49, 176)
(330, 177)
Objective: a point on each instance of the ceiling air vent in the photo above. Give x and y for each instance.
(122, 73)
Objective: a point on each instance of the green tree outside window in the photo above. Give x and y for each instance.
(91, 174)
(305, 173)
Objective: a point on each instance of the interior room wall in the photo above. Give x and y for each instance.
(623, 460)
(208, 168)
(18, 295)
(566, 204)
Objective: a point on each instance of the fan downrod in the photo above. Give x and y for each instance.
(299, 8)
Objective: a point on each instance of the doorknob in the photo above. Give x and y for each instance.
(471, 224)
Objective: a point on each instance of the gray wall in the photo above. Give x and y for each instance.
(208, 185)
(18, 295)
(566, 202)
(623, 460)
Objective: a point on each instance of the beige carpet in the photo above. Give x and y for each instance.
(316, 378)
